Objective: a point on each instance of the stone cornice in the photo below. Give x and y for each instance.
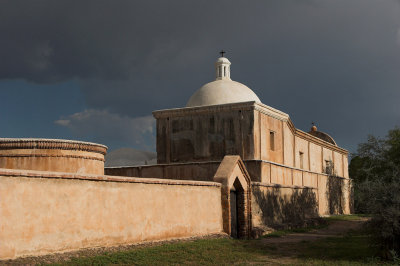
(59, 144)
(176, 112)
(272, 112)
(252, 105)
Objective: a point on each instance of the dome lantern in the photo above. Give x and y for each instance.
(223, 67)
(222, 90)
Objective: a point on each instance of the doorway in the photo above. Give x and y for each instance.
(234, 214)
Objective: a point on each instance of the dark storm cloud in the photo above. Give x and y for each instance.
(106, 127)
(333, 62)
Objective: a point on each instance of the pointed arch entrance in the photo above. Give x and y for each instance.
(235, 196)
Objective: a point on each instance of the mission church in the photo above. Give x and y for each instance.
(226, 164)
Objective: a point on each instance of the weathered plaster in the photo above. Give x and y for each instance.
(44, 212)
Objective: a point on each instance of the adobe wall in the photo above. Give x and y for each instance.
(276, 206)
(290, 142)
(52, 155)
(278, 191)
(200, 171)
(205, 133)
(208, 133)
(46, 212)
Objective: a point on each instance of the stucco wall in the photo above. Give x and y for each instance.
(43, 212)
(55, 155)
(200, 171)
(301, 146)
(278, 183)
(288, 145)
(345, 166)
(327, 155)
(267, 125)
(204, 133)
(315, 158)
(338, 163)
(275, 206)
(208, 133)
(53, 160)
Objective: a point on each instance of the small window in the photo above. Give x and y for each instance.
(224, 71)
(272, 140)
(301, 160)
(329, 167)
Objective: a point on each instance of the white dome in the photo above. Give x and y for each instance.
(221, 92)
(223, 60)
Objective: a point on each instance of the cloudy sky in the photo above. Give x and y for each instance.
(95, 70)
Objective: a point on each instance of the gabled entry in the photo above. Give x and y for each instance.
(235, 196)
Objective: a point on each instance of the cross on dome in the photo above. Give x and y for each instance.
(222, 53)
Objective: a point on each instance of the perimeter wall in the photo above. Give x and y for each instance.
(46, 212)
(280, 194)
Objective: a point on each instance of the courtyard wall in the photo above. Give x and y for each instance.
(45, 212)
(280, 194)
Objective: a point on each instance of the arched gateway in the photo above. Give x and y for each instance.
(235, 196)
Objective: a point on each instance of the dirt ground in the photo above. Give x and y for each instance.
(335, 228)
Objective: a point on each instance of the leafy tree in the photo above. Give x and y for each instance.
(375, 170)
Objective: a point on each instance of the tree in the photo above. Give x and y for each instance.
(375, 170)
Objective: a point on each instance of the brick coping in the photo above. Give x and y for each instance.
(103, 178)
(62, 144)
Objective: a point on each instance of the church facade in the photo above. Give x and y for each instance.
(226, 164)
(285, 164)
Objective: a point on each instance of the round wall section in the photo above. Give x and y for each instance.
(54, 155)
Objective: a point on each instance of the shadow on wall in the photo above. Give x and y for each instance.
(286, 211)
(335, 194)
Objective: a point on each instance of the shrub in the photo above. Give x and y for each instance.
(375, 170)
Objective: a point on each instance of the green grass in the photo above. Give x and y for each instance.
(344, 217)
(351, 249)
(354, 247)
(211, 251)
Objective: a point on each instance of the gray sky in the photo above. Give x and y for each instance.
(94, 70)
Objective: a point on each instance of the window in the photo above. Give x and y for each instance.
(272, 140)
(329, 167)
(301, 160)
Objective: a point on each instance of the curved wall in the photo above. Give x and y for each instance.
(54, 155)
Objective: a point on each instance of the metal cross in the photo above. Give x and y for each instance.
(222, 53)
(313, 123)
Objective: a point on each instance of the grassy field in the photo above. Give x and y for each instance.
(350, 249)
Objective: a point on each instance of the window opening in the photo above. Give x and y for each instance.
(328, 167)
(272, 140)
(301, 160)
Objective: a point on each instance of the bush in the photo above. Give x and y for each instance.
(375, 170)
